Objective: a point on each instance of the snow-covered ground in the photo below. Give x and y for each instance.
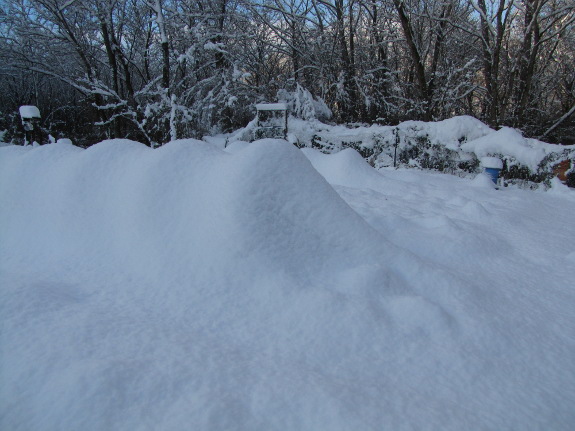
(194, 288)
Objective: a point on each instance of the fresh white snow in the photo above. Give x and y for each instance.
(28, 111)
(491, 162)
(270, 288)
(508, 141)
(271, 107)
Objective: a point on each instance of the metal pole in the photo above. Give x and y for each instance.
(395, 147)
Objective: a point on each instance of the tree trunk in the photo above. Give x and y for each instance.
(416, 59)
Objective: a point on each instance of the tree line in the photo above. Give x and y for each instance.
(156, 70)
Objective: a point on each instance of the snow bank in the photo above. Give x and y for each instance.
(183, 285)
(149, 200)
(189, 287)
(346, 168)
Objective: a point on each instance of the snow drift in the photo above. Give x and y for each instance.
(186, 204)
(182, 285)
(191, 287)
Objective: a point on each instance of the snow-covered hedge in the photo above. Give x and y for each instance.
(455, 145)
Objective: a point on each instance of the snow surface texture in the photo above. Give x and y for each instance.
(268, 288)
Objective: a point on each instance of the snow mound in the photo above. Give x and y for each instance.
(484, 181)
(198, 204)
(345, 168)
(192, 287)
(185, 285)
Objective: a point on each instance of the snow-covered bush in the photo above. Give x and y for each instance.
(303, 105)
(454, 146)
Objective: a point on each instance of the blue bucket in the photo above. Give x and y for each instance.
(493, 174)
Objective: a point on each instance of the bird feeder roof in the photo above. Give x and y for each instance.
(271, 107)
(29, 111)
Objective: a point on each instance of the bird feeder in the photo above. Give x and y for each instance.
(271, 121)
(492, 167)
(30, 117)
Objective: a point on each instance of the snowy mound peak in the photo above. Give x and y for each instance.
(185, 205)
(344, 168)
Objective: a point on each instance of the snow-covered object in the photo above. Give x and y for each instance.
(190, 288)
(491, 162)
(447, 133)
(64, 141)
(303, 105)
(454, 145)
(271, 107)
(509, 142)
(29, 112)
